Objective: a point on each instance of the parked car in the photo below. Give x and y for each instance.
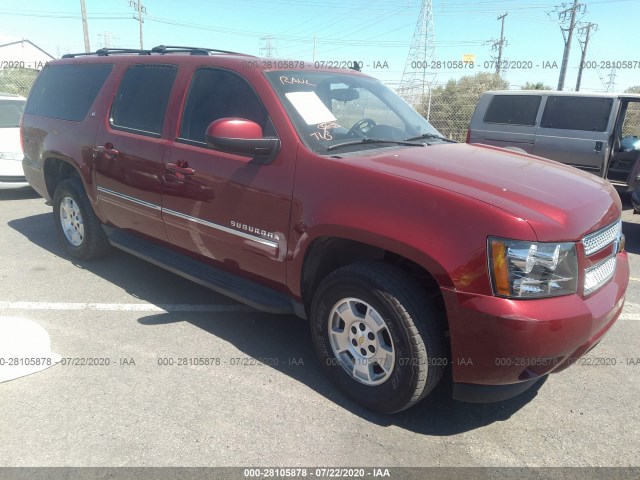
(320, 193)
(597, 133)
(635, 200)
(11, 174)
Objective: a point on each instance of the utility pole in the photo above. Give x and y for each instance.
(140, 10)
(501, 44)
(85, 27)
(567, 34)
(584, 30)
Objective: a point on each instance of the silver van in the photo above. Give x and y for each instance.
(599, 133)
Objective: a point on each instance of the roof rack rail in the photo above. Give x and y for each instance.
(160, 49)
(105, 52)
(190, 50)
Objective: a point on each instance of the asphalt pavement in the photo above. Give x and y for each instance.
(176, 375)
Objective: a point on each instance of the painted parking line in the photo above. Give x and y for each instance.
(634, 279)
(123, 307)
(631, 310)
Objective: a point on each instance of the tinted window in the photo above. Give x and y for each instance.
(215, 94)
(10, 112)
(66, 91)
(513, 109)
(142, 98)
(590, 114)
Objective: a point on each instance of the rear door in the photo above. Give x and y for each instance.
(576, 131)
(129, 151)
(224, 207)
(506, 121)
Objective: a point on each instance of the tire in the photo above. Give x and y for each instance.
(78, 227)
(386, 350)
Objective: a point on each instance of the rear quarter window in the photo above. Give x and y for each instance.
(67, 91)
(513, 110)
(590, 114)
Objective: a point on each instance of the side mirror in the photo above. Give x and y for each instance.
(242, 137)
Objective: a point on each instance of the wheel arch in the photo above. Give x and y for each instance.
(326, 254)
(56, 169)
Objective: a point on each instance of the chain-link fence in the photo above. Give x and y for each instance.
(17, 81)
(449, 107)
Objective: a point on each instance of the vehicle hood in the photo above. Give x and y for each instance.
(558, 201)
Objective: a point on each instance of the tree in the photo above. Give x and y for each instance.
(453, 104)
(535, 86)
(635, 89)
(17, 80)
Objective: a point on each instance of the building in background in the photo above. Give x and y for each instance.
(20, 62)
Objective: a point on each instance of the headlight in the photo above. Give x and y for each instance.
(532, 270)
(11, 156)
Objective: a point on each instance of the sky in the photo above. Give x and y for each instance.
(378, 33)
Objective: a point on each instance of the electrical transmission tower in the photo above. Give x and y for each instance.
(107, 39)
(417, 77)
(611, 84)
(268, 48)
(568, 18)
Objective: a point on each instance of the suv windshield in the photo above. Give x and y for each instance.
(340, 112)
(10, 113)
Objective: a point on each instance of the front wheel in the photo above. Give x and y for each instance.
(78, 227)
(377, 336)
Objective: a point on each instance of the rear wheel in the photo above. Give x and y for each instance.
(377, 336)
(78, 227)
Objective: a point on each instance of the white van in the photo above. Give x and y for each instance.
(599, 133)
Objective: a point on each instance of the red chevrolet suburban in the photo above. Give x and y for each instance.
(320, 193)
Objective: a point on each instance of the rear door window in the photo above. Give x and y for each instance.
(142, 98)
(513, 110)
(590, 114)
(67, 91)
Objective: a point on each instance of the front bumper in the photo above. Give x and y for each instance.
(505, 343)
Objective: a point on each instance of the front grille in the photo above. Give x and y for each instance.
(598, 275)
(594, 242)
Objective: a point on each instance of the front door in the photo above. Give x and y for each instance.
(223, 207)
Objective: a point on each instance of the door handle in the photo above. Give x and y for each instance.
(598, 147)
(107, 150)
(181, 167)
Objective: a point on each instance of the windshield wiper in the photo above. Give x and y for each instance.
(374, 140)
(430, 135)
